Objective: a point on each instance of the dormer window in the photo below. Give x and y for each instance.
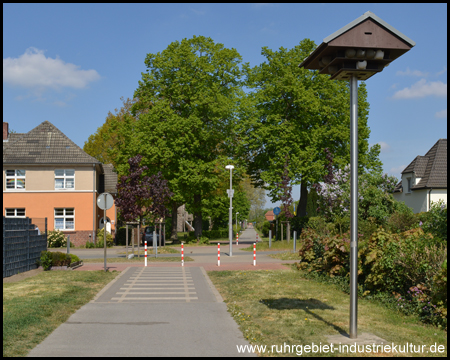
(409, 182)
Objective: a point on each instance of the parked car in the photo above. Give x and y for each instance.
(148, 235)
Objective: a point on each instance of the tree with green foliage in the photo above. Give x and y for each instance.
(297, 112)
(107, 143)
(187, 101)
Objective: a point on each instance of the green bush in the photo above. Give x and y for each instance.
(204, 240)
(89, 245)
(265, 229)
(121, 235)
(100, 236)
(60, 259)
(74, 258)
(46, 260)
(402, 219)
(436, 220)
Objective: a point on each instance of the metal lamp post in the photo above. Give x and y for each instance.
(230, 219)
(357, 51)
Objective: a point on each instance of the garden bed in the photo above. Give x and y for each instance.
(72, 266)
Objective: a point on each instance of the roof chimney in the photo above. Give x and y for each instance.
(5, 131)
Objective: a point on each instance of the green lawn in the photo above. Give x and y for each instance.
(279, 306)
(34, 307)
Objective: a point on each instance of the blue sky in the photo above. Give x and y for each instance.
(71, 63)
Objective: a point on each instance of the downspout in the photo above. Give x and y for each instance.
(429, 199)
(93, 209)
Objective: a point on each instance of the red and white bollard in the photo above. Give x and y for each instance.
(145, 253)
(218, 254)
(254, 254)
(237, 238)
(182, 254)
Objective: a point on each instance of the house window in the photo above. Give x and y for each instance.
(15, 212)
(64, 219)
(64, 179)
(15, 179)
(409, 184)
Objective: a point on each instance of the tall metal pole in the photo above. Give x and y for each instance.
(353, 206)
(230, 226)
(104, 228)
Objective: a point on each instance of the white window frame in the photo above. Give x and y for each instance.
(15, 178)
(15, 210)
(66, 215)
(64, 177)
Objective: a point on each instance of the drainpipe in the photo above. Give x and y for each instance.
(93, 196)
(429, 199)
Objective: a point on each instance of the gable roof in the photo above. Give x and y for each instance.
(45, 144)
(361, 19)
(431, 168)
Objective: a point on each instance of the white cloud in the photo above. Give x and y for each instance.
(384, 147)
(441, 114)
(408, 72)
(421, 89)
(34, 70)
(442, 71)
(397, 170)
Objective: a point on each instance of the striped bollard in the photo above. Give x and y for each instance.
(182, 254)
(218, 254)
(254, 254)
(237, 238)
(145, 246)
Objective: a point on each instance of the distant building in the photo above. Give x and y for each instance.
(46, 175)
(424, 180)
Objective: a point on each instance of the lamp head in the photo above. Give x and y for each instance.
(229, 167)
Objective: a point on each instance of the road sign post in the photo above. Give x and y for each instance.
(105, 201)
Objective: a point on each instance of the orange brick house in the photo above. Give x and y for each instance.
(46, 175)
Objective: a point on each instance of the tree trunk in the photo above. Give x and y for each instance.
(303, 200)
(174, 235)
(198, 215)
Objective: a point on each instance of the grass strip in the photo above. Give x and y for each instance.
(138, 260)
(274, 307)
(34, 307)
(276, 245)
(161, 250)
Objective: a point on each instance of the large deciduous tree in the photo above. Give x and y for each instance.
(297, 112)
(189, 94)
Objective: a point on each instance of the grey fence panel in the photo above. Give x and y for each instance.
(22, 245)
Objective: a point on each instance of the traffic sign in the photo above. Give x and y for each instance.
(105, 201)
(276, 210)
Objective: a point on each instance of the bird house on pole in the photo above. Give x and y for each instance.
(362, 48)
(357, 51)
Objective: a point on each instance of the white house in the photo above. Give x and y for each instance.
(424, 180)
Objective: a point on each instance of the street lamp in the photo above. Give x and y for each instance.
(356, 52)
(230, 195)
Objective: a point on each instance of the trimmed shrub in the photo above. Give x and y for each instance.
(46, 260)
(74, 258)
(60, 259)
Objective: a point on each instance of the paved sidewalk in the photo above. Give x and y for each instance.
(160, 310)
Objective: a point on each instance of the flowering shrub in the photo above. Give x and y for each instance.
(56, 238)
(435, 221)
(417, 301)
